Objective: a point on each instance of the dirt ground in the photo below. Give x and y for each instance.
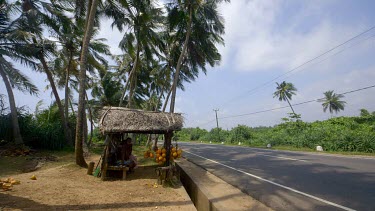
(62, 185)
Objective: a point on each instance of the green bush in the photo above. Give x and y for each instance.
(347, 134)
(42, 130)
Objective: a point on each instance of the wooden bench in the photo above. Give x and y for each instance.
(124, 170)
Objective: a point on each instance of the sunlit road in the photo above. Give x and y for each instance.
(286, 180)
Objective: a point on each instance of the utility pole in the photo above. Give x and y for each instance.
(217, 123)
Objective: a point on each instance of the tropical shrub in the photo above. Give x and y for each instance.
(347, 134)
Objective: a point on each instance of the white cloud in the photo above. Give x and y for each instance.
(257, 40)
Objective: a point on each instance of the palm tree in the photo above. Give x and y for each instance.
(142, 19)
(14, 45)
(66, 63)
(14, 78)
(198, 27)
(35, 15)
(90, 17)
(332, 102)
(284, 92)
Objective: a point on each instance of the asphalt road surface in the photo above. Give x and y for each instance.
(285, 180)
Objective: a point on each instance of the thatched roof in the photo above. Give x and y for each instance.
(123, 120)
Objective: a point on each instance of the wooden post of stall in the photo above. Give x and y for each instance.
(90, 169)
(168, 140)
(105, 160)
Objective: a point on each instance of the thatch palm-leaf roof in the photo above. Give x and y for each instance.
(123, 120)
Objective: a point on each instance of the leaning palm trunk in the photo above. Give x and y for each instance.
(159, 99)
(66, 103)
(167, 99)
(71, 106)
(179, 62)
(133, 82)
(13, 110)
(132, 72)
(58, 101)
(148, 140)
(132, 88)
(124, 91)
(66, 100)
(91, 121)
(291, 106)
(80, 160)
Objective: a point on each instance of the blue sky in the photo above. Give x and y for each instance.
(263, 40)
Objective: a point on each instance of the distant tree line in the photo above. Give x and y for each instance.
(349, 134)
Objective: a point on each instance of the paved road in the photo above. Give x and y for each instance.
(286, 180)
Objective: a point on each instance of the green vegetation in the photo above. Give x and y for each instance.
(41, 130)
(164, 45)
(343, 134)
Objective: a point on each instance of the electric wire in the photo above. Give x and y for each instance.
(282, 107)
(252, 91)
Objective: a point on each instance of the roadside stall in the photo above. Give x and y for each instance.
(116, 123)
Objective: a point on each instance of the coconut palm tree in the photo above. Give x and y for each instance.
(141, 19)
(66, 63)
(14, 45)
(284, 92)
(90, 17)
(332, 102)
(198, 27)
(37, 14)
(13, 77)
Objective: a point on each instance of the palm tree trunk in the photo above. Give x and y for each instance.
(66, 100)
(133, 82)
(148, 140)
(71, 106)
(159, 99)
(179, 62)
(85, 129)
(91, 121)
(58, 101)
(291, 106)
(167, 99)
(66, 103)
(132, 87)
(80, 160)
(125, 88)
(132, 72)
(13, 110)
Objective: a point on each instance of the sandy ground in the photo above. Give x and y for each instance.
(68, 187)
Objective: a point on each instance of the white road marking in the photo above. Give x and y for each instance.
(284, 158)
(277, 184)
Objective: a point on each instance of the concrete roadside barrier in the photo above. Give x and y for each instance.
(206, 190)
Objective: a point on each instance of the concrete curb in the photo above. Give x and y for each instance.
(209, 192)
(182, 192)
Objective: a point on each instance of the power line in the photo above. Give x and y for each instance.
(338, 52)
(299, 67)
(296, 104)
(251, 91)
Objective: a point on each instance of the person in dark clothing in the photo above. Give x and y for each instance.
(125, 153)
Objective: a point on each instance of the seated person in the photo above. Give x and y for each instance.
(125, 154)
